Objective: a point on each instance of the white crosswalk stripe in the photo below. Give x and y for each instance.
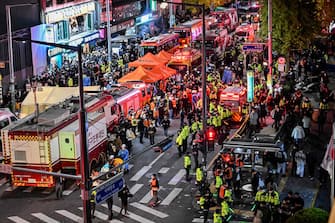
(135, 188)
(163, 170)
(172, 195)
(69, 215)
(140, 173)
(17, 219)
(131, 215)
(200, 220)
(181, 173)
(44, 218)
(103, 216)
(70, 190)
(146, 198)
(149, 210)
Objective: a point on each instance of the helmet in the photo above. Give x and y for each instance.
(111, 157)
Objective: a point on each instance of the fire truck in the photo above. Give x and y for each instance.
(234, 98)
(50, 141)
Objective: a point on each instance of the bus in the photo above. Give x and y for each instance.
(216, 41)
(188, 31)
(158, 43)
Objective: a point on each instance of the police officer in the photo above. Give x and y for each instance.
(217, 216)
(195, 153)
(199, 175)
(187, 165)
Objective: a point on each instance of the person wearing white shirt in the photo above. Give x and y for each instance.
(298, 134)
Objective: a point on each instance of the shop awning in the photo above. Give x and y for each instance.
(149, 60)
(165, 71)
(141, 74)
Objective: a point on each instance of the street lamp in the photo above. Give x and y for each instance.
(203, 64)
(84, 165)
(34, 84)
(10, 52)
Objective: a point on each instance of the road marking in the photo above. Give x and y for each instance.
(130, 166)
(172, 195)
(200, 220)
(146, 198)
(44, 218)
(155, 160)
(140, 173)
(163, 170)
(11, 188)
(149, 210)
(181, 173)
(131, 215)
(103, 216)
(17, 219)
(70, 190)
(135, 188)
(28, 190)
(69, 215)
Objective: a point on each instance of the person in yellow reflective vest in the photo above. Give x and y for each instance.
(185, 132)
(70, 82)
(217, 216)
(272, 197)
(133, 124)
(187, 165)
(179, 142)
(92, 202)
(228, 195)
(218, 182)
(261, 196)
(323, 105)
(212, 107)
(199, 175)
(224, 208)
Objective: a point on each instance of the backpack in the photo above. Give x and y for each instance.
(280, 157)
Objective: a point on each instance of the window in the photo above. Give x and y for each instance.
(13, 118)
(60, 2)
(20, 155)
(48, 3)
(67, 140)
(4, 123)
(62, 32)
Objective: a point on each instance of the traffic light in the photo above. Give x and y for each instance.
(211, 135)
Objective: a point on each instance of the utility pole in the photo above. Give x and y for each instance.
(109, 47)
(203, 83)
(269, 77)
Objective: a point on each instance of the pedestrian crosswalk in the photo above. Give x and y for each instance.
(139, 210)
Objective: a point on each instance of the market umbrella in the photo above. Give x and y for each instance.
(164, 55)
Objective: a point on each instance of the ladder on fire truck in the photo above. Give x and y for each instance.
(41, 145)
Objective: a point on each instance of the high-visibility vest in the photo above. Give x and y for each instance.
(134, 121)
(174, 103)
(187, 161)
(93, 194)
(218, 182)
(239, 162)
(154, 184)
(222, 191)
(224, 209)
(228, 195)
(202, 202)
(260, 196)
(198, 174)
(323, 106)
(217, 218)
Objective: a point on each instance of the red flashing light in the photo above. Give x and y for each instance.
(211, 134)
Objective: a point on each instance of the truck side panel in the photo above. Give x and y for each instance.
(67, 145)
(5, 146)
(54, 149)
(26, 150)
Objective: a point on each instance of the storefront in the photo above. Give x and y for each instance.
(71, 24)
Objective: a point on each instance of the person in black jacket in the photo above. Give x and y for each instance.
(124, 194)
(140, 128)
(165, 124)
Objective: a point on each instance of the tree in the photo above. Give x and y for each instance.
(309, 215)
(294, 22)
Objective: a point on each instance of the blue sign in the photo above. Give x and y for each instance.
(252, 47)
(108, 188)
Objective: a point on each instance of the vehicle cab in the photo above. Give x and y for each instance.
(6, 117)
(246, 32)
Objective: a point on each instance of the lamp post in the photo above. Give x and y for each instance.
(85, 183)
(203, 70)
(34, 87)
(10, 52)
(269, 77)
(109, 47)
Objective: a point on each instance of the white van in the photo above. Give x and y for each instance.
(6, 117)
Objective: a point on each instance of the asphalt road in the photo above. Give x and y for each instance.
(24, 205)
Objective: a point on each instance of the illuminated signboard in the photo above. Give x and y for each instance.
(250, 85)
(66, 13)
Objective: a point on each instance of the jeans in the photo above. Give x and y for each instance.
(300, 168)
(165, 132)
(281, 168)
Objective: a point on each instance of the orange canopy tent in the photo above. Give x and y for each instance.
(141, 74)
(149, 60)
(165, 71)
(164, 55)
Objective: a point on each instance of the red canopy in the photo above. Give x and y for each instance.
(164, 55)
(141, 74)
(149, 60)
(165, 71)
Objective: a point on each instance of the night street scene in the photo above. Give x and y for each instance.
(167, 111)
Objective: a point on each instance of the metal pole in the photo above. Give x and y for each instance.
(109, 47)
(10, 57)
(269, 77)
(84, 166)
(203, 73)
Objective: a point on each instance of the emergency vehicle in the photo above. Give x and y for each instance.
(188, 31)
(51, 141)
(185, 60)
(246, 32)
(226, 17)
(166, 41)
(234, 98)
(216, 41)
